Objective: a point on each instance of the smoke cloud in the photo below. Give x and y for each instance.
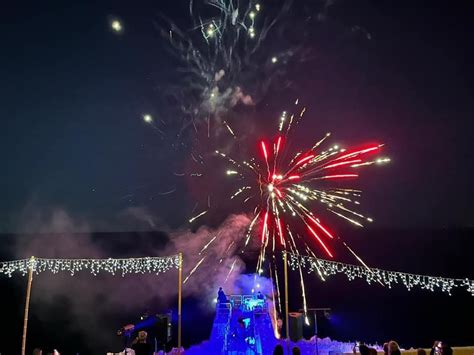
(89, 300)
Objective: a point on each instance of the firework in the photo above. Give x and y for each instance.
(116, 26)
(290, 185)
(230, 58)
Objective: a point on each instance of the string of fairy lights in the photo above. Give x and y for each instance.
(325, 268)
(146, 265)
(156, 265)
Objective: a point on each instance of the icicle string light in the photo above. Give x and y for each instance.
(326, 268)
(146, 265)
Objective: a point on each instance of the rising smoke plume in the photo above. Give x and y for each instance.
(91, 300)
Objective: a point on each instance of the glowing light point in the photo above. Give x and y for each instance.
(382, 160)
(147, 118)
(252, 32)
(252, 15)
(257, 7)
(116, 26)
(270, 187)
(210, 30)
(274, 60)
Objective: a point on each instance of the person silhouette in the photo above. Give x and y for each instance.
(221, 297)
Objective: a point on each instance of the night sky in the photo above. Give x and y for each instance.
(73, 93)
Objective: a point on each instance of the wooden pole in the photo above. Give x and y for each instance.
(180, 290)
(285, 268)
(27, 305)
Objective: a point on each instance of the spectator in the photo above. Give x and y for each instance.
(446, 349)
(221, 297)
(37, 351)
(385, 348)
(420, 351)
(436, 347)
(393, 348)
(296, 351)
(140, 344)
(278, 350)
(373, 351)
(363, 349)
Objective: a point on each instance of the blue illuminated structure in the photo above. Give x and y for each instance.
(241, 326)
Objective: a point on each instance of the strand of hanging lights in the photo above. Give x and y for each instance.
(145, 265)
(325, 268)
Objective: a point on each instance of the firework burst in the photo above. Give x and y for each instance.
(288, 186)
(229, 55)
(285, 188)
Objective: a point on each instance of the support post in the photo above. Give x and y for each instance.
(285, 268)
(27, 304)
(316, 332)
(180, 289)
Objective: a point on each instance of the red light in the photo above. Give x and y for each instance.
(278, 192)
(362, 151)
(321, 227)
(265, 219)
(278, 145)
(264, 150)
(320, 241)
(301, 161)
(343, 163)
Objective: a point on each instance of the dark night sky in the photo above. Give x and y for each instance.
(72, 93)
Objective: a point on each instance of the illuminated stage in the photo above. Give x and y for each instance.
(245, 325)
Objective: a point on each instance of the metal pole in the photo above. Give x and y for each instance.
(180, 289)
(316, 331)
(285, 268)
(315, 314)
(27, 305)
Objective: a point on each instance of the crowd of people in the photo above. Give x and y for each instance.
(389, 348)
(392, 348)
(279, 350)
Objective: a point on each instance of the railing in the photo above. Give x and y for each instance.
(248, 302)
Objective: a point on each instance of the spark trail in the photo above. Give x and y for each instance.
(290, 185)
(289, 188)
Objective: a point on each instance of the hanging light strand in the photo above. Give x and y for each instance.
(325, 268)
(146, 265)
